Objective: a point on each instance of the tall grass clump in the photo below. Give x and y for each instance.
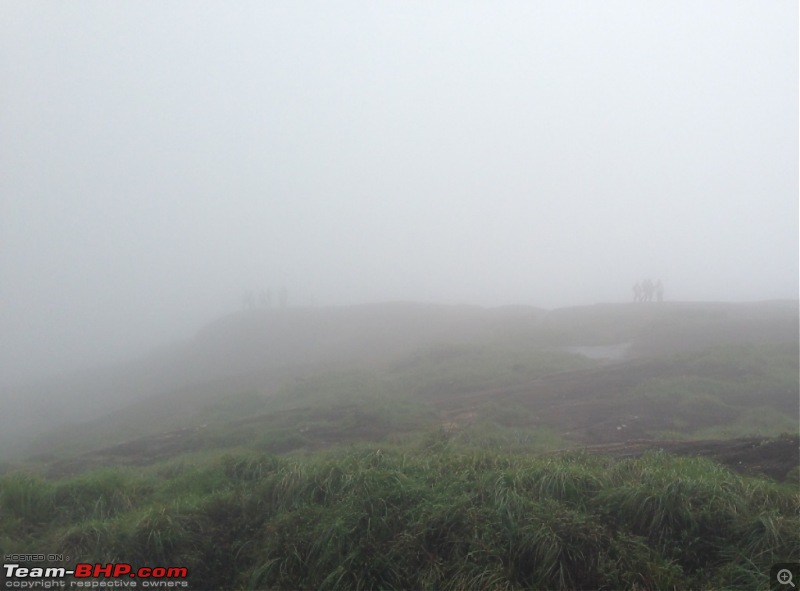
(574, 479)
(27, 503)
(696, 512)
(100, 494)
(92, 540)
(172, 534)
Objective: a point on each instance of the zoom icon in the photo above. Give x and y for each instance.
(784, 576)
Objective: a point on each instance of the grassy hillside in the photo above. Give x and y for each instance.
(482, 452)
(421, 353)
(484, 395)
(258, 350)
(433, 516)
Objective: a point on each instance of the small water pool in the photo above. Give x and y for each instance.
(615, 352)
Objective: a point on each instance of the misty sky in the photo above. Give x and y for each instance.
(157, 159)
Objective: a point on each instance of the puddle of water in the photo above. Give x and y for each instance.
(609, 352)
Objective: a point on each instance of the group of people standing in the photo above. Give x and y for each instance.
(645, 291)
(251, 299)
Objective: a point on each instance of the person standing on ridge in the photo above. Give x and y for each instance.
(647, 287)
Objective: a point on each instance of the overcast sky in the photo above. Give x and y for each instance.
(158, 159)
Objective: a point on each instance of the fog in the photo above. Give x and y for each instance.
(159, 160)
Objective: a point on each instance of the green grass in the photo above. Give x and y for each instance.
(446, 370)
(725, 392)
(443, 516)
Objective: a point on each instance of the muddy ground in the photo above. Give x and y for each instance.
(775, 458)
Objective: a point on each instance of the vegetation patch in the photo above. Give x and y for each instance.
(445, 516)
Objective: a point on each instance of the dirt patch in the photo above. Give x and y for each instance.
(775, 458)
(455, 422)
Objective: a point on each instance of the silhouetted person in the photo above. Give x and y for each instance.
(637, 292)
(659, 291)
(648, 288)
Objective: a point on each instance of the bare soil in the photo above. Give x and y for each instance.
(775, 458)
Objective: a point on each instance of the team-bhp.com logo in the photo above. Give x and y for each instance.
(117, 575)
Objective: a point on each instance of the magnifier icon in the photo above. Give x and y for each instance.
(785, 577)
